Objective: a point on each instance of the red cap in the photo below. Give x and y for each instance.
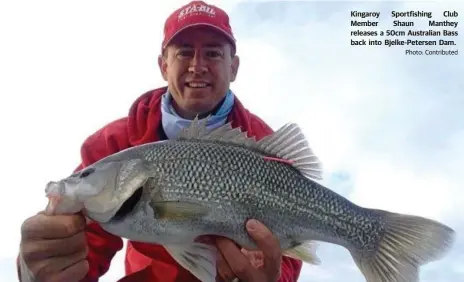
(197, 13)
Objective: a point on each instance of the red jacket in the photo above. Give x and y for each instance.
(145, 262)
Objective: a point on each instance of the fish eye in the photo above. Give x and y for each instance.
(87, 172)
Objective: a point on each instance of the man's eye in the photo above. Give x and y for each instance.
(184, 53)
(213, 54)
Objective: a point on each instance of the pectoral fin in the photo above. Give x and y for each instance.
(198, 258)
(178, 210)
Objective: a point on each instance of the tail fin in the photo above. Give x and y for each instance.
(408, 243)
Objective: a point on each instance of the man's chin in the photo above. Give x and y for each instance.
(203, 92)
(198, 102)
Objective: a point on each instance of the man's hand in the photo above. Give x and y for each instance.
(250, 266)
(54, 248)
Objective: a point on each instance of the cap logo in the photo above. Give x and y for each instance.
(196, 9)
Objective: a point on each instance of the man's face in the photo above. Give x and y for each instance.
(198, 65)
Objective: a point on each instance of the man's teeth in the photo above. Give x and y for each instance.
(197, 84)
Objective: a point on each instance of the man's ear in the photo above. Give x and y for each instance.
(234, 67)
(163, 66)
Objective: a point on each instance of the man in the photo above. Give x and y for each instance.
(198, 60)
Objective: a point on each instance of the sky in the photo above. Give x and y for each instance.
(387, 127)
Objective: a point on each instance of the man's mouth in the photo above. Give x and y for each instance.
(197, 84)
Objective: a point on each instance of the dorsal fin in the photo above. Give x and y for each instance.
(225, 133)
(288, 143)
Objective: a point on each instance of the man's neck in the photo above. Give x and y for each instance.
(191, 115)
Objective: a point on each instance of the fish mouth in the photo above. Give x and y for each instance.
(128, 206)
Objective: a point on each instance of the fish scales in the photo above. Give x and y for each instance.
(210, 182)
(240, 179)
(234, 186)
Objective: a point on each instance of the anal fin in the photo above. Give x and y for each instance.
(305, 252)
(198, 258)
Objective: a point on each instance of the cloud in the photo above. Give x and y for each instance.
(386, 122)
(386, 126)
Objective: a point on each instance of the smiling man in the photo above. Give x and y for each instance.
(198, 61)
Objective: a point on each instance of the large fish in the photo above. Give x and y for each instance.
(210, 182)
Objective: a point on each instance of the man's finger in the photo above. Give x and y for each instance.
(52, 227)
(52, 266)
(223, 269)
(53, 247)
(75, 272)
(237, 261)
(256, 257)
(205, 239)
(268, 244)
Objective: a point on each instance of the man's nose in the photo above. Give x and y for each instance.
(198, 64)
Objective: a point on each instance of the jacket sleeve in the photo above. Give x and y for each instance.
(102, 248)
(290, 269)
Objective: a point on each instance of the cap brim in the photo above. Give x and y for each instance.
(223, 32)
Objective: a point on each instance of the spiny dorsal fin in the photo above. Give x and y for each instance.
(198, 130)
(288, 143)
